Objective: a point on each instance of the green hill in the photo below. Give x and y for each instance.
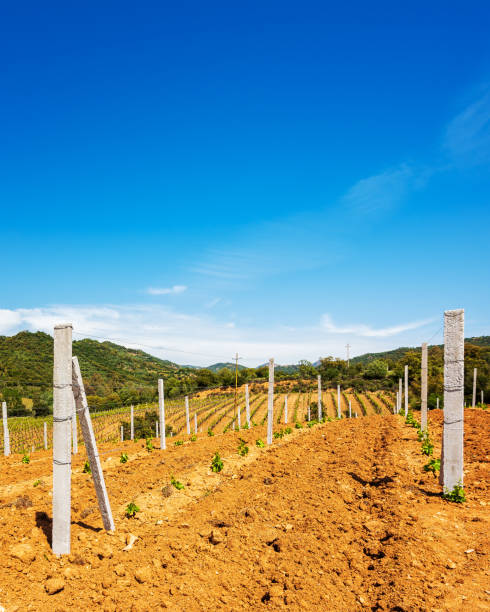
(399, 353)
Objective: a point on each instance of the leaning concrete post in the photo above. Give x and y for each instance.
(270, 405)
(161, 414)
(62, 434)
(319, 397)
(187, 415)
(286, 409)
(6, 434)
(247, 405)
(74, 430)
(45, 432)
(339, 412)
(132, 421)
(473, 404)
(423, 389)
(406, 391)
(452, 434)
(400, 394)
(350, 410)
(195, 422)
(91, 446)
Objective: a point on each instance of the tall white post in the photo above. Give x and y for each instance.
(437, 403)
(187, 422)
(62, 419)
(406, 391)
(397, 402)
(91, 446)
(423, 389)
(156, 429)
(270, 405)
(473, 404)
(239, 417)
(400, 394)
(319, 397)
(195, 422)
(122, 433)
(6, 434)
(286, 409)
(132, 421)
(45, 432)
(452, 434)
(350, 410)
(339, 412)
(161, 414)
(247, 405)
(74, 430)
(481, 395)
(309, 414)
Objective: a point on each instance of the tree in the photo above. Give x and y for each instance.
(307, 369)
(376, 369)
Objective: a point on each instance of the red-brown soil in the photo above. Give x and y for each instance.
(337, 517)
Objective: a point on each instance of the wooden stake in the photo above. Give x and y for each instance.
(91, 446)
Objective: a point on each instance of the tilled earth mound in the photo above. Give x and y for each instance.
(338, 517)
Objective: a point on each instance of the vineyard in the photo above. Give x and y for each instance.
(216, 412)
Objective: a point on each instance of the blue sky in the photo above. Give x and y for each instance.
(272, 178)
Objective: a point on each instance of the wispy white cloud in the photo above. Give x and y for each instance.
(467, 136)
(369, 332)
(214, 302)
(380, 192)
(202, 340)
(166, 290)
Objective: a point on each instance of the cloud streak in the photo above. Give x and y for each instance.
(176, 289)
(369, 332)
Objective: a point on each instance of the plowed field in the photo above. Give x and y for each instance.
(341, 516)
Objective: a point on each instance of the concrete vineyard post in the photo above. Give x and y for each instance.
(132, 422)
(423, 389)
(122, 433)
(187, 415)
(286, 409)
(239, 417)
(62, 434)
(247, 405)
(339, 412)
(45, 432)
(156, 429)
(6, 434)
(452, 434)
(74, 430)
(319, 398)
(91, 446)
(473, 403)
(437, 403)
(397, 407)
(400, 394)
(195, 422)
(270, 404)
(309, 414)
(481, 396)
(161, 414)
(406, 390)
(350, 410)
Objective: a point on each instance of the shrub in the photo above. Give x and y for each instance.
(131, 510)
(86, 468)
(457, 495)
(193, 438)
(259, 443)
(299, 426)
(178, 442)
(242, 448)
(216, 463)
(433, 466)
(123, 458)
(210, 432)
(149, 445)
(38, 482)
(288, 430)
(26, 459)
(178, 485)
(427, 446)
